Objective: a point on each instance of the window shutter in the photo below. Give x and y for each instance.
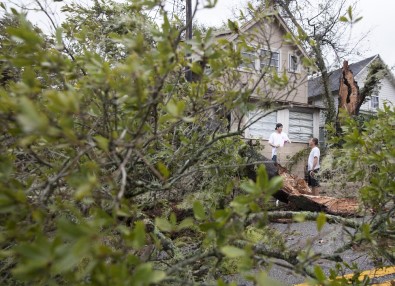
(263, 127)
(300, 126)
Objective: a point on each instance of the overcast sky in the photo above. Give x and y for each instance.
(378, 18)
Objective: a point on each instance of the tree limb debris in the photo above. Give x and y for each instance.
(296, 192)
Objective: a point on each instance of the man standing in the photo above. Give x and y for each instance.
(313, 166)
(277, 139)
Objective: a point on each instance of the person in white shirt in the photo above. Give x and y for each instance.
(277, 139)
(313, 166)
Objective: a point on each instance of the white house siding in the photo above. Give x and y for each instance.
(386, 94)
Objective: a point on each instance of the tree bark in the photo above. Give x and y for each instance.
(295, 191)
(330, 205)
(350, 98)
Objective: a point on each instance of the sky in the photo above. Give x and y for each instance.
(378, 20)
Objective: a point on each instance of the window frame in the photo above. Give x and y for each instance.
(248, 67)
(375, 101)
(257, 62)
(291, 62)
(271, 52)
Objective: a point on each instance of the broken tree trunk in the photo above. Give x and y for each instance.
(350, 98)
(299, 196)
(296, 191)
(330, 205)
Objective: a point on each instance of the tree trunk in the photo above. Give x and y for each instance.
(350, 98)
(295, 190)
(330, 205)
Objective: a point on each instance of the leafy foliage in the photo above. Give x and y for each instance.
(101, 133)
(367, 158)
(114, 170)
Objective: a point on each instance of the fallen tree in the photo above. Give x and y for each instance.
(295, 190)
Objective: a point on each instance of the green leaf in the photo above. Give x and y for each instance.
(349, 12)
(59, 39)
(163, 170)
(299, 217)
(250, 187)
(343, 19)
(186, 223)
(229, 187)
(232, 251)
(358, 19)
(138, 235)
(157, 276)
(163, 224)
(366, 231)
(30, 119)
(321, 220)
(176, 109)
(210, 4)
(102, 142)
(72, 230)
(319, 273)
(262, 178)
(145, 275)
(275, 184)
(233, 26)
(198, 210)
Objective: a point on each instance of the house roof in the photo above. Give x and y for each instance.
(315, 86)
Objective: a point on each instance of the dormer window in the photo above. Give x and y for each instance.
(293, 63)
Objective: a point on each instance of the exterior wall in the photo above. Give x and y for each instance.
(386, 94)
(270, 36)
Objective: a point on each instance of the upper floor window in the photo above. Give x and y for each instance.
(374, 102)
(256, 59)
(269, 58)
(248, 59)
(293, 63)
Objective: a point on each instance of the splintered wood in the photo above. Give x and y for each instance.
(330, 205)
(293, 184)
(297, 193)
(349, 97)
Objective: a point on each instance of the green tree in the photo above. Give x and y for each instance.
(114, 170)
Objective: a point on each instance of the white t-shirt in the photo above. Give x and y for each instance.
(315, 152)
(277, 139)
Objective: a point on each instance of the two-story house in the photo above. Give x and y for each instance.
(268, 55)
(384, 94)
